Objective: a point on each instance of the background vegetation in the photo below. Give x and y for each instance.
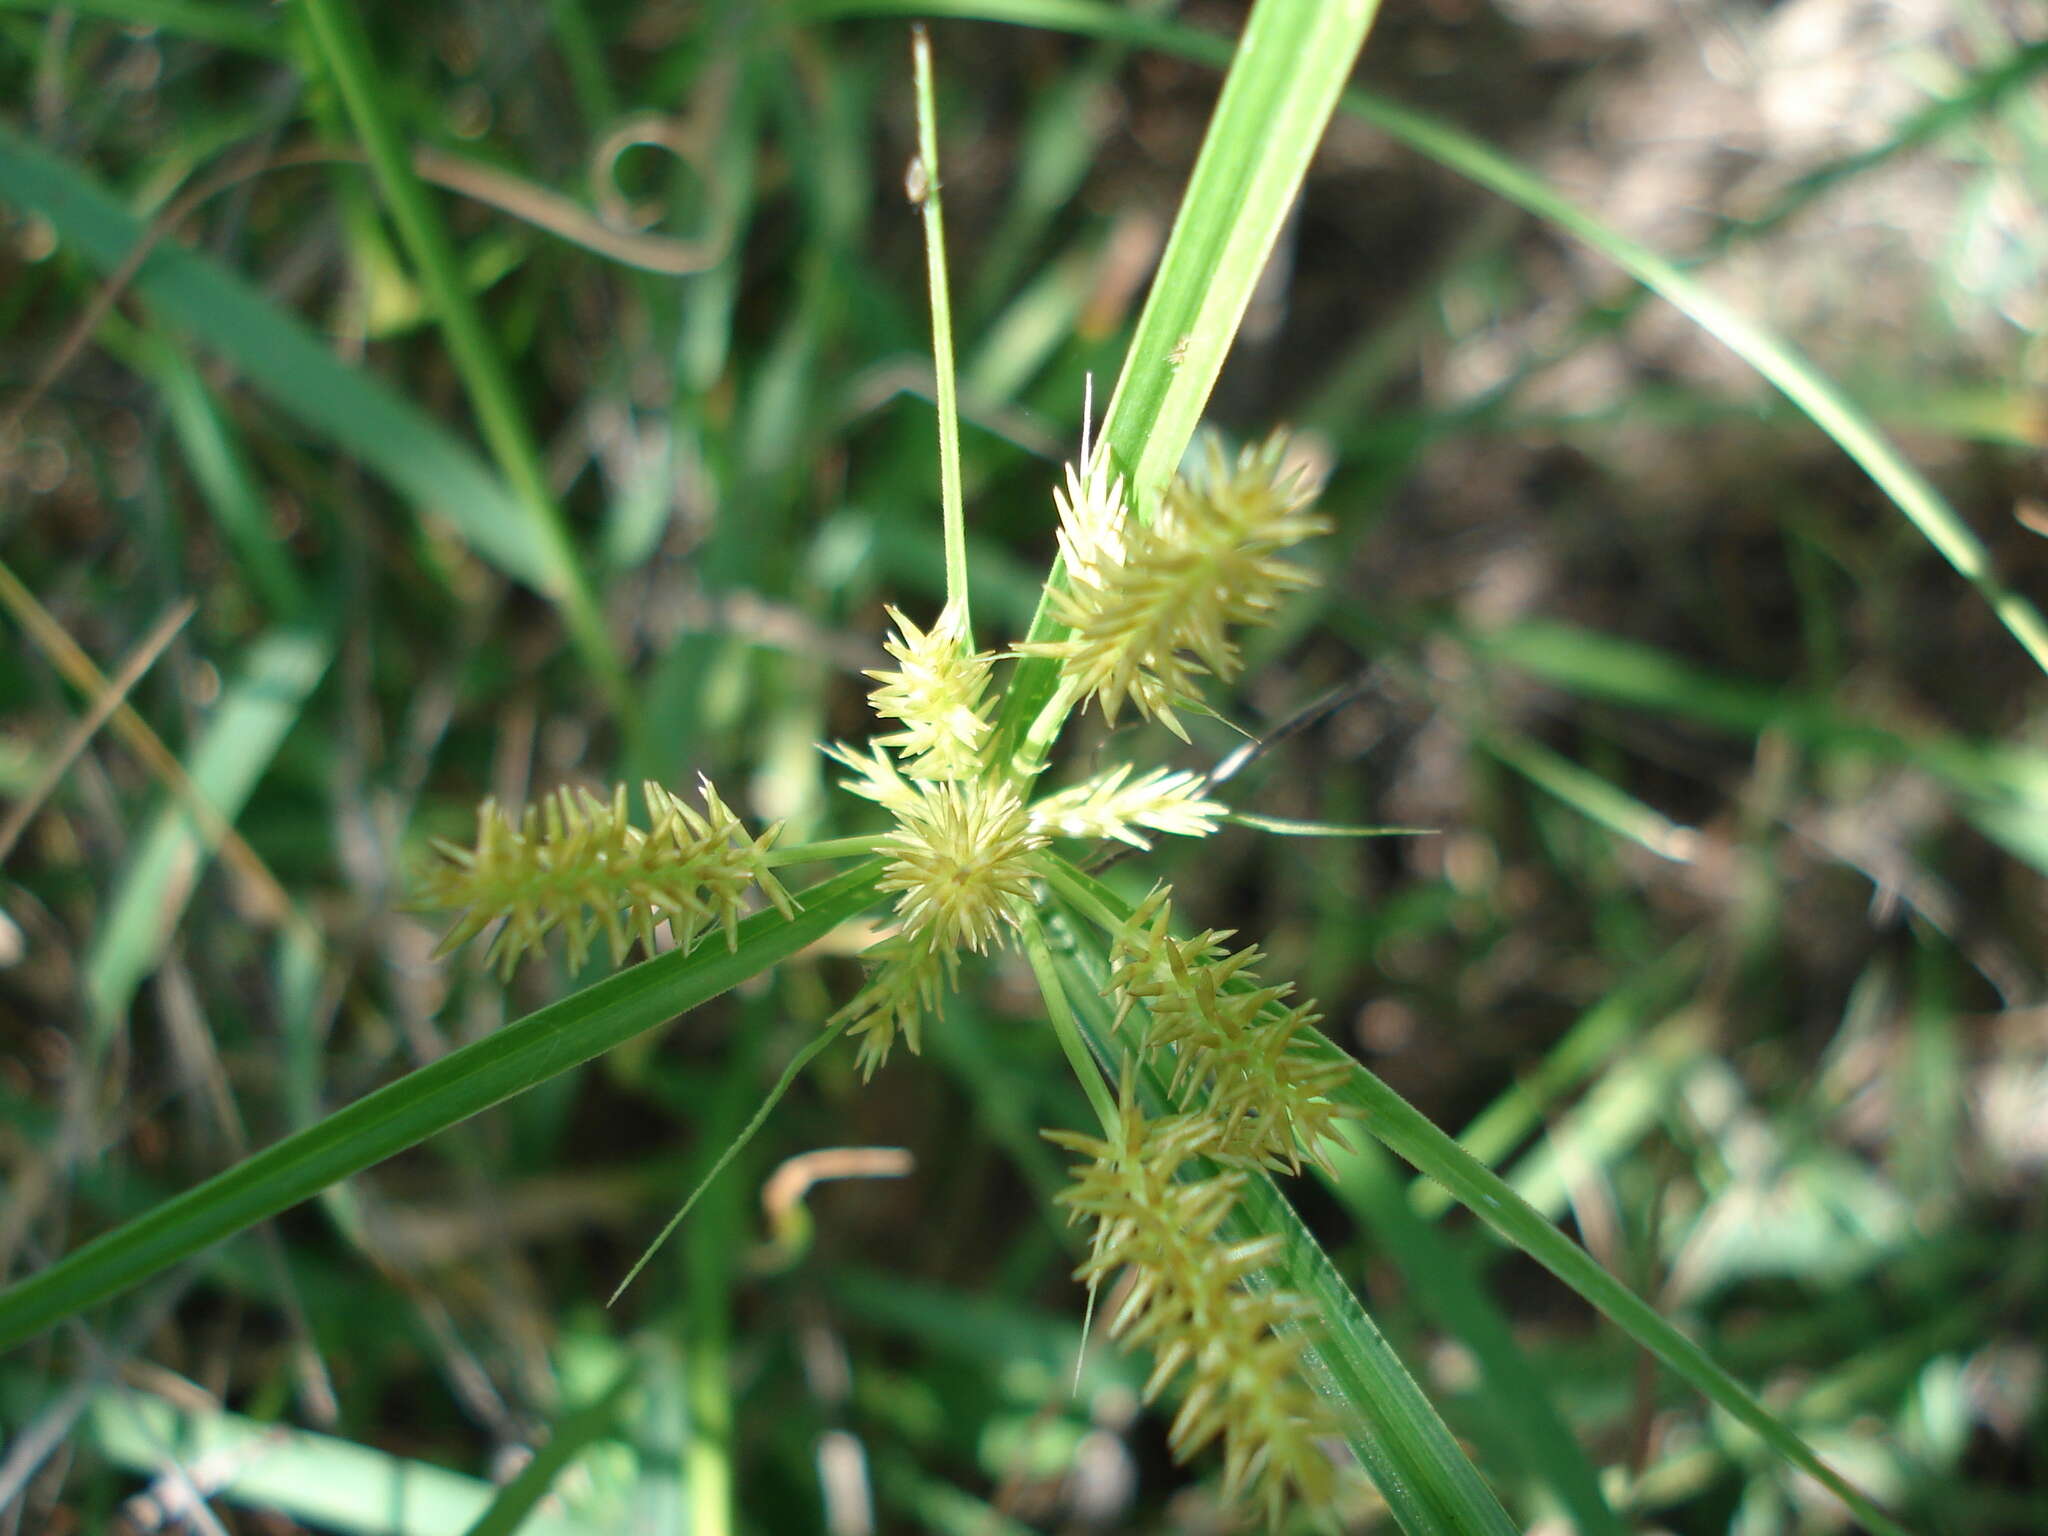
(1728, 951)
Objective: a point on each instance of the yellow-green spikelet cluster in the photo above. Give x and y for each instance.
(578, 864)
(1234, 1350)
(1148, 606)
(1237, 1047)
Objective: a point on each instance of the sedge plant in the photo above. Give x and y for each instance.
(1206, 1077)
(1147, 613)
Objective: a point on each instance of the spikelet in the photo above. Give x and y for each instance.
(1148, 607)
(937, 694)
(903, 986)
(876, 776)
(1107, 806)
(1188, 1303)
(577, 863)
(1237, 1048)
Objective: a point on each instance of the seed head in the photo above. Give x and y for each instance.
(1188, 1302)
(1108, 806)
(578, 863)
(961, 861)
(1148, 607)
(937, 694)
(1238, 1049)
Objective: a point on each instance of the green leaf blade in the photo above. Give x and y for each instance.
(418, 458)
(540, 1046)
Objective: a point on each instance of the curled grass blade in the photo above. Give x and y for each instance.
(282, 357)
(540, 1046)
(1798, 380)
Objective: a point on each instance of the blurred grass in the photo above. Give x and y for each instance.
(1788, 1085)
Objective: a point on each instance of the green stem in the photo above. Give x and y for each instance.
(1064, 1026)
(1079, 893)
(345, 51)
(925, 189)
(818, 852)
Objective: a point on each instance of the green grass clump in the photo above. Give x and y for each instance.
(412, 424)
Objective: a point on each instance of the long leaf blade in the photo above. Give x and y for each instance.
(542, 1045)
(275, 351)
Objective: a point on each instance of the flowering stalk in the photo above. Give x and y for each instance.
(1148, 610)
(967, 849)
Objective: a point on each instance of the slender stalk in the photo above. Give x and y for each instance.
(1065, 1027)
(924, 190)
(818, 852)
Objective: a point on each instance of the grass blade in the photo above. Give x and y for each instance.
(1798, 380)
(252, 28)
(1605, 1032)
(338, 33)
(414, 455)
(1448, 1286)
(2001, 786)
(330, 1483)
(509, 1510)
(236, 747)
(538, 1047)
(1405, 1131)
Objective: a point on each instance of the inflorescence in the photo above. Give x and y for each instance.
(1147, 611)
(579, 864)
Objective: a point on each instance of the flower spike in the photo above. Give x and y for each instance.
(577, 863)
(937, 694)
(1148, 607)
